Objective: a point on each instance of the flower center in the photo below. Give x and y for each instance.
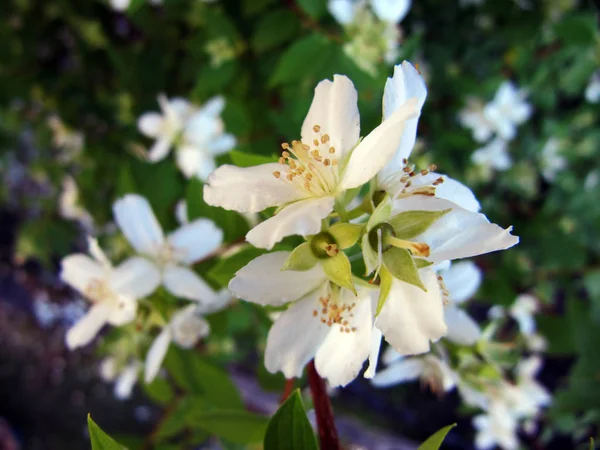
(410, 182)
(332, 311)
(98, 291)
(313, 169)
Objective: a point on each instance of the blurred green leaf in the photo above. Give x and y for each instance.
(434, 442)
(235, 426)
(289, 427)
(100, 440)
(314, 8)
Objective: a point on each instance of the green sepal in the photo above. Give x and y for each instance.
(301, 258)
(402, 266)
(420, 263)
(339, 271)
(381, 213)
(346, 234)
(385, 285)
(410, 224)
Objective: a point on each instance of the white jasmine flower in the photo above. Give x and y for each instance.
(113, 292)
(312, 173)
(527, 371)
(185, 328)
(181, 213)
(473, 117)
(552, 161)
(124, 377)
(592, 91)
(536, 342)
(171, 255)
(122, 5)
(430, 369)
(493, 155)
(461, 280)
(507, 110)
(69, 207)
(392, 11)
(497, 428)
(323, 321)
(196, 133)
(523, 310)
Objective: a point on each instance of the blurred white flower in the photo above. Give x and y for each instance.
(496, 428)
(592, 91)
(527, 371)
(461, 280)
(493, 155)
(185, 329)
(323, 322)
(196, 133)
(171, 255)
(523, 311)
(112, 291)
(69, 141)
(507, 110)
(430, 369)
(69, 207)
(392, 11)
(552, 161)
(181, 213)
(124, 377)
(472, 117)
(309, 177)
(122, 5)
(536, 342)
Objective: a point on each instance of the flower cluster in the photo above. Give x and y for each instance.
(360, 274)
(116, 293)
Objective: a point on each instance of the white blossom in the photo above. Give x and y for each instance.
(69, 207)
(493, 155)
(523, 311)
(552, 160)
(173, 254)
(496, 428)
(124, 377)
(507, 110)
(592, 91)
(392, 11)
(113, 292)
(69, 141)
(122, 5)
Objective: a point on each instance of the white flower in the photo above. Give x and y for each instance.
(124, 377)
(527, 370)
(536, 342)
(172, 255)
(69, 141)
(472, 117)
(507, 110)
(592, 91)
(312, 173)
(68, 205)
(430, 369)
(552, 161)
(122, 5)
(523, 311)
(185, 328)
(498, 427)
(493, 155)
(392, 11)
(461, 280)
(323, 322)
(196, 133)
(112, 291)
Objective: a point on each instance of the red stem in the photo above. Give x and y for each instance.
(287, 390)
(328, 436)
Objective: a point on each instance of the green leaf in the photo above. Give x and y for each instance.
(314, 8)
(302, 59)
(592, 444)
(420, 263)
(385, 284)
(196, 375)
(241, 427)
(301, 258)
(339, 271)
(409, 224)
(226, 268)
(243, 159)
(346, 234)
(274, 29)
(289, 427)
(176, 420)
(159, 391)
(402, 266)
(434, 442)
(101, 440)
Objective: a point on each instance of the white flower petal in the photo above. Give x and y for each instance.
(213, 107)
(462, 329)
(160, 149)
(406, 83)
(195, 162)
(79, 270)
(222, 144)
(184, 282)
(342, 354)
(391, 10)
(378, 148)
(335, 109)
(300, 218)
(156, 354)
(343, 11)
(405, 370)
(374, 353)
(88, 326)
(262, 281)
(136, 220)
(188, 326)
(457, 192)
(249, 189)
(295, 336)
(122, 311)
(136, 278)
(195, 240)
(411, 318)
(126, 381)
(462, 280)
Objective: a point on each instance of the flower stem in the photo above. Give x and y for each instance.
(328, 437)
(287, 389)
